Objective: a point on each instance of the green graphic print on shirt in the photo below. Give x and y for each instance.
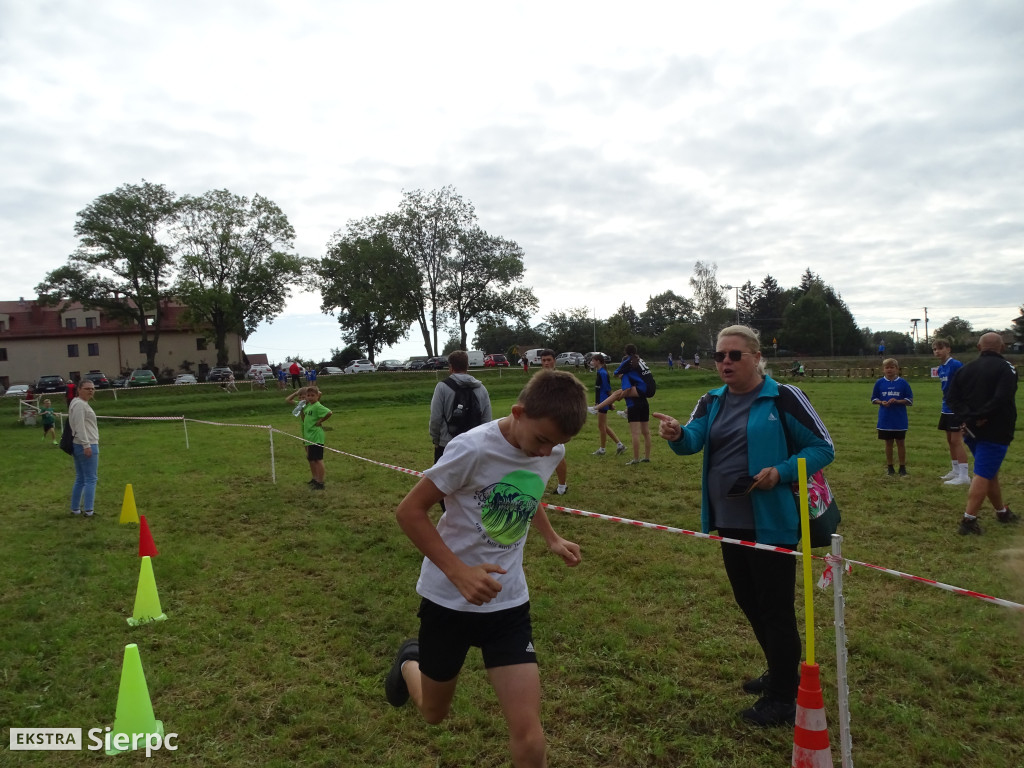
(508, 506)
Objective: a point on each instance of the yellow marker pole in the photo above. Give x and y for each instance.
(805, 548)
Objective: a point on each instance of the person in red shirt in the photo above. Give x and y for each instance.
(296, 371)
(71, 391)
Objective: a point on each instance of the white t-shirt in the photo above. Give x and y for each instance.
(492, 490)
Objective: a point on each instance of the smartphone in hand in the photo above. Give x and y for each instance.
(741, 487)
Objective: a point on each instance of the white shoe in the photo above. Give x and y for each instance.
(592, 409)
(958, 480)
(598, 452)
(561, 490)
(622, 414)
(620, 449)
(950, 475)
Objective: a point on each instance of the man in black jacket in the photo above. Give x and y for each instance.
(982, 395)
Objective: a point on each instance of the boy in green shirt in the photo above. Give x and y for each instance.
(46, 412)
(313, 415)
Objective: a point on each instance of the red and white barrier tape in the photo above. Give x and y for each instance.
(824, 581)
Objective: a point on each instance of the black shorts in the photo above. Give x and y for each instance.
(48, 427)
(950, 422)
(315, 452)
(503, 637)
(892, 434)
(640, 410)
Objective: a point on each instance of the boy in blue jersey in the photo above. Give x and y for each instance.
(948, 421)
(892, 395)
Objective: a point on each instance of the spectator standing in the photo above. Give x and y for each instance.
(670, 361)
(443, 401)
(739, 429)
(87, 450)
(982, 396)
(892, 395)
(547, 361)
(296, 371)
(948, 421)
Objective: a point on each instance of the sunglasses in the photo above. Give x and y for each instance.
(733, 354)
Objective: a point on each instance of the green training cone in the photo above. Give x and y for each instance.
(134, 715)
(147, 601)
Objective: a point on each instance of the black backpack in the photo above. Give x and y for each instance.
(465, 409)
(648, 377)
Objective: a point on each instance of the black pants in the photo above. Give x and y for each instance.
(764, 585)
(296, 380)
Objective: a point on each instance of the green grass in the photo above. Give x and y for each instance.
(284, 607)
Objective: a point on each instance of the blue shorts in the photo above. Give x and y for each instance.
(988, 457)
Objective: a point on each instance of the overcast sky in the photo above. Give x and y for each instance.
(878, 142)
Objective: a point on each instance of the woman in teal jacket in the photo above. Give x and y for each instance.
(752, 431)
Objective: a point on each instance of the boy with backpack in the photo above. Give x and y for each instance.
(460, 402)
(471, 582)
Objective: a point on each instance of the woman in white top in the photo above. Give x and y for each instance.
(87, 450)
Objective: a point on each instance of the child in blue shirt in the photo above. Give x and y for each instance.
(892, 395)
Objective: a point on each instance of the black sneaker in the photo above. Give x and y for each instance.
(317, 486)
(1006, 516)
(758, 685)
(903, 472)
(768, 712)
(395, 689)
(890, 471)
(968, 527)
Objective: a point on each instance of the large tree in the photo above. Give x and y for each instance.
(426, 229)
(237, 266)
(481, 283)
(663, 310)
(123, 265)
(958, 331)
(709, 302)
(372, 287)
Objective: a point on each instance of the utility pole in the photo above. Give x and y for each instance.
(926, 325)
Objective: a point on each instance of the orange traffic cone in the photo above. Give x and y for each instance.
(147, 547)
(810, 736)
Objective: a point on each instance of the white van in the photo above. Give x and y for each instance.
(533, 355)
(476, 358)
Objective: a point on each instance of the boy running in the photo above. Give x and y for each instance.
(472, 581)
(49, 420)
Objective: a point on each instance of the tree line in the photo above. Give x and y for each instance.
(230, 261)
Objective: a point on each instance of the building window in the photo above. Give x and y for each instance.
(200, 344)
(150, 321)
(3, 354)
(70, 323)
(94, 350)
(90, 322)
(3, 325)
(72, 350)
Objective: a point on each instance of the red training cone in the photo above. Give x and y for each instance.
(810, 736)
(146, 545)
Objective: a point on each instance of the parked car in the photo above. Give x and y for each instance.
(119, 382)
(141, 377)
(569, 358)
(268, 372)
(414, 365)
(476, 358)
(331, 370)
(436, 364)
(533, 356)
(218, 374)
(360, 366)
(17, 390)
(495, 361)
(185, 378)
(390, 365)
(98, 379)
(50, 384)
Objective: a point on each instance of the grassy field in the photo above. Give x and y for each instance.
(285, 606)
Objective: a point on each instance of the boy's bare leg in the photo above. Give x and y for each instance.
(635, 434)
(432, 699)
(888, 452)
(518, 689)
(901, 451)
